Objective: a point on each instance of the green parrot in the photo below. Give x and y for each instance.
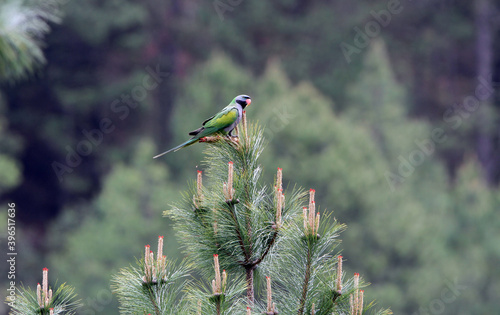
(221, 123)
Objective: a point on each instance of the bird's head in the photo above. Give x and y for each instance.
(243, 100)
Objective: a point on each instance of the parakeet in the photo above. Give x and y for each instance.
(221, 123)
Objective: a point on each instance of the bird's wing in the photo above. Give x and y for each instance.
(223, 119)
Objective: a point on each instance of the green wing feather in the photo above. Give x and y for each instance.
(224, 118)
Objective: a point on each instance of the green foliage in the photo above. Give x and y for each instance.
(63, 302)
(23, 24)
(474, 227)
(419, 202)
(378, 101)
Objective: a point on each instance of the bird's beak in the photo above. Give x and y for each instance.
(249, 101)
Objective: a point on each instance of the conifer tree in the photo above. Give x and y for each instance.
(260, 234)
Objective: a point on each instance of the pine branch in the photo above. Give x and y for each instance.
(250, 285)
(307, 277)
(266, 251)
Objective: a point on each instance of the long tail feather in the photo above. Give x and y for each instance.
(180, 146)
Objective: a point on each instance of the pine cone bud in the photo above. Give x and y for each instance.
(217, 274)
(45, 286)
(224, 280)
(159, 253)
(39, 295)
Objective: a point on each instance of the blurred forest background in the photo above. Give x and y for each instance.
(389, 109)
